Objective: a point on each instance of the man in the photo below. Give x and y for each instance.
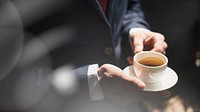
(98, 35)
(87, 38)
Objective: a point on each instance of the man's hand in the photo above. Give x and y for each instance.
(117, 85)
(147, 40)
(123, 88)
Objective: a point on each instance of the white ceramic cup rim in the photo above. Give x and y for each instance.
(151, 52)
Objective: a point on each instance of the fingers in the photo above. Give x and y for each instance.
(113, 71)
(159, 43)
(154, 41)
(137, 43)
(137, 82)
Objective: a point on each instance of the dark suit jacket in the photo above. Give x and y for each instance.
(95, 37)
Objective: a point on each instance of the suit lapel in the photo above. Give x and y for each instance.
(96, 6)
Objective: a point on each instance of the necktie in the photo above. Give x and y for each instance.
(103, 4)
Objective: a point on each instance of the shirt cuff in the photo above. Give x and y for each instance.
(95, 90)
(137, 29)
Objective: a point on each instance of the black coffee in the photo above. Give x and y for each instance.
(151, 61)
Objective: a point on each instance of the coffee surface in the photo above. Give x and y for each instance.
(151, 61)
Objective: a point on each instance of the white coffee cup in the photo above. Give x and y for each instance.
(150, 66)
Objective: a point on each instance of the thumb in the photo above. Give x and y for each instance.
(138, 44)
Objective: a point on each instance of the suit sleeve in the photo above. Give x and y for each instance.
(134, 17)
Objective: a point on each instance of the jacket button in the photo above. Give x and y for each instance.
(108, 50)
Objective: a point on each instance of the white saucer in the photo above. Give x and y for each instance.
(168, 81)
